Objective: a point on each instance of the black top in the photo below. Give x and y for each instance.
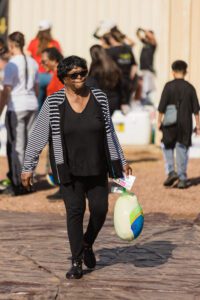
(146, 57)
(124, 58)
(183, 95)
(84, 137)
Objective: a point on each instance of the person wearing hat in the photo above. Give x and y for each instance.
(42, 41)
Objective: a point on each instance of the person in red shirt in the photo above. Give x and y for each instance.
(49, 60)
(42, 41)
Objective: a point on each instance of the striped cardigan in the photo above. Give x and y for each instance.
(48, 128)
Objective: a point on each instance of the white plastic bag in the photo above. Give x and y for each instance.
(128, 216)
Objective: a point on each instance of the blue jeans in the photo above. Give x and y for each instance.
(181, 160)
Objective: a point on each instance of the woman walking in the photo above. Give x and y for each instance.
(84, 149)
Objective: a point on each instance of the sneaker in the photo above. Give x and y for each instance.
(50, 179)
(76, 271)
(4, 184)
(56, 196)
(7, 191)
(89, 257)
(172, 177)
(182, 184)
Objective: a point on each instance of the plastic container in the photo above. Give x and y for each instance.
(133, 128)
(194, 151)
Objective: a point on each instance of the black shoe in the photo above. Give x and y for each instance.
(19, 190)
(76, 271)
(56, 196)
(89, 257)
(172, 177)
(182, 184)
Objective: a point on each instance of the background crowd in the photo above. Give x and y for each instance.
(29, 75)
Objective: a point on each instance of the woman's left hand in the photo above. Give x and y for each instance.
(127, 170)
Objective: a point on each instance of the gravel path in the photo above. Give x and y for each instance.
(163, 263)
(148, 166)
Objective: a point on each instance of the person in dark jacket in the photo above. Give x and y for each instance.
(181, 95)
(84, 149)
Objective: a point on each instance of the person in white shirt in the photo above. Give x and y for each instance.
(20, 95)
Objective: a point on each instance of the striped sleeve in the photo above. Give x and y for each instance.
(38, 139)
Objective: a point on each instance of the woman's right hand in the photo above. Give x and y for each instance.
(27, 179)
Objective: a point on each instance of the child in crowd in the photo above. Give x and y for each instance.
(177, 105)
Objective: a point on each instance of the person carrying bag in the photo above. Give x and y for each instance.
(177, 105)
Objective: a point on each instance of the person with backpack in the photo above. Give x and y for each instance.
(177, 105)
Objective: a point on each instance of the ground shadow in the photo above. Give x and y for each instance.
(193, 181)
(190, 182)
(148, 255)
(147, 159)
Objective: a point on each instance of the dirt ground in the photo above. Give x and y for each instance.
(148, 167)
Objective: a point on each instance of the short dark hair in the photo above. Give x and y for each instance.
(67, 64)
(53, 54)
(179, 66)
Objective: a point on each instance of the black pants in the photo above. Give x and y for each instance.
(95, 188)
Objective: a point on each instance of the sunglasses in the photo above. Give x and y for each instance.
(75, 75)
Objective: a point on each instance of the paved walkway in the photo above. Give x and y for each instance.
(164, 263)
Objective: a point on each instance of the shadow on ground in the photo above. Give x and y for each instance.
(148, 255)
(140, 160)
(193, 181)
(190, 182)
